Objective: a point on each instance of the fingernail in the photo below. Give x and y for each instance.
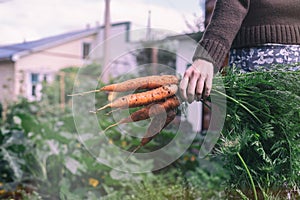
(190, 100)
(198, 97)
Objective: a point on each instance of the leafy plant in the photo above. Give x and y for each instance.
(261, 131)
(42, 158)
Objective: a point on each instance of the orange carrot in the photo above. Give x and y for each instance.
(147, 82)
(150, 110)
(155, 127)
(142, 98)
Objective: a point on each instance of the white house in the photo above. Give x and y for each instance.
(24, 66)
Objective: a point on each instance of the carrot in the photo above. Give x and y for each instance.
(147, 82)
(142, 98)
(150, 110)
(155, 127)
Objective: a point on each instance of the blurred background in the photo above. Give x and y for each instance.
(46, 45)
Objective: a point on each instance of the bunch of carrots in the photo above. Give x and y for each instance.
(155, 96)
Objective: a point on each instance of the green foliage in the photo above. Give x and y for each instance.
(170, 183)
(42, 158)
(40, 150)
(51, 93)
(263, 126)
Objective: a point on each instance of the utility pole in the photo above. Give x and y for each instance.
(154, 58)
(106, 47)
(154, 50)
(148, 34)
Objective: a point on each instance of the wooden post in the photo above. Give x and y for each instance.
(154, 59)
(106, 48)
(62, 90)
(4, 110)
(148, 34)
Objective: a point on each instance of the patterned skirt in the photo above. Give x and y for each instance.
(265, 57)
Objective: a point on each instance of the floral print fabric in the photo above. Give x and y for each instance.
(264, 57)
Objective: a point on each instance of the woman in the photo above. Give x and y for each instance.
(256, 32)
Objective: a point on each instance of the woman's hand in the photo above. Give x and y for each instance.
(197, 81)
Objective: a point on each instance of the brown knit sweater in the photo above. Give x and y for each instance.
(244, 23)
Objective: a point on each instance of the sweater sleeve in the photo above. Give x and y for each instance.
(220, 33)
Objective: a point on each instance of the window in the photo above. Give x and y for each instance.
(34, 82)
(34, 78)
(86, 48)
(33, 90)
(45, 78)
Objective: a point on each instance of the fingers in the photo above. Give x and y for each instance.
(199, 89)
(183, 87)
(197, 81)
(208, 86)
(192, 87)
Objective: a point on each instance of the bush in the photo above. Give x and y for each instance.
(262, 130)
(42, 158)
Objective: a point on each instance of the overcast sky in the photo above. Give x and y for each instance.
(33, 19)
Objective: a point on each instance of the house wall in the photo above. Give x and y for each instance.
(7, 72)
(67, 54)
(185, 50)
(46, 64)
(120, 60)
(55, 58)
(184, 53)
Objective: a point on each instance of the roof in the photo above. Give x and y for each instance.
(9, 52)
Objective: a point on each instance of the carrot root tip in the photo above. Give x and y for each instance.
(83, 93)
(110, 112)
(110, 127)
(137, 148)
(102, 108)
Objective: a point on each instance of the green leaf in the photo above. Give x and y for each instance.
(13, 161)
